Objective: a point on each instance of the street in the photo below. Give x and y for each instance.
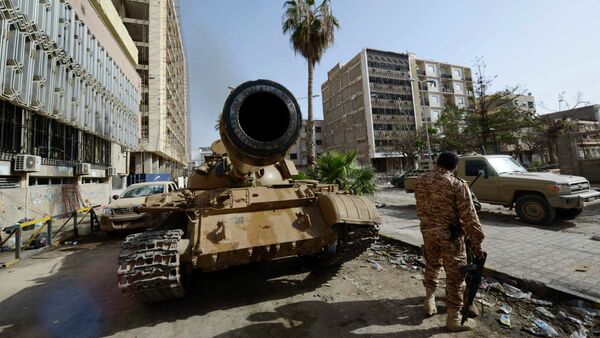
(563, 255)
(72, 292)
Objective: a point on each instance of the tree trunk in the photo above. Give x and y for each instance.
(310, 129)
(551, 155)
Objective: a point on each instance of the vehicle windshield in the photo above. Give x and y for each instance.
(506, 165)
(144, 190)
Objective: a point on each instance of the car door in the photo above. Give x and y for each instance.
(486, 187)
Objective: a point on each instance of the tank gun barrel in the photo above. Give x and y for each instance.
(260, 121)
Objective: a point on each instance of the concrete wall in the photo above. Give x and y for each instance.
(36, 201)
(590, 169)
(570, 164)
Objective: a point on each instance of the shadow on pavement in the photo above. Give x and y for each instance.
(341, 319)
(81, 298)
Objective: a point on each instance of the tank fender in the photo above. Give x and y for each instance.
(344, 208)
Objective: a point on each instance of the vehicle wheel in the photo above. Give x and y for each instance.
(535, 209)
(569, 213)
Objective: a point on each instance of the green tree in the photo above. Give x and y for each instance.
(342, 169)
(311, 30)
(490, 120)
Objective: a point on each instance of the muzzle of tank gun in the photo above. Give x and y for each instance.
(261, 120)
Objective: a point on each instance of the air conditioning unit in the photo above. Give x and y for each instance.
(28, 163)
(111, 171)
(83, 169)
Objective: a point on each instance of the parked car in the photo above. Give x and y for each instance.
(538, 197)
(120, 214)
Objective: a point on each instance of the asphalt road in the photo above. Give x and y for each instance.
(72, 292)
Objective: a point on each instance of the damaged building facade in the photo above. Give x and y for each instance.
(378, 94)
(165, 141)
(69, 103)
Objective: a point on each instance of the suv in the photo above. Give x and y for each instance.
(538, 198)
(120, 214)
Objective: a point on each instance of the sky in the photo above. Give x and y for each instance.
(546, 46)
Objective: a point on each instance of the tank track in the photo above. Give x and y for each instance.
(149, 269)
(353, 240)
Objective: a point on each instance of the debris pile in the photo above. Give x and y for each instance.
(503, 304)
(516, 308)
(395, 255)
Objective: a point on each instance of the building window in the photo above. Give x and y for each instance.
(434, 99)
(319, 142)
(317, 129)
(34, 180)
(458, 88)
(457, 73)
(435, 114)
(432, 84)
(11, 127)
(430, 69)
(460, 101)
(293, 156)
(530, 105)
(7, 182)
(93, 180)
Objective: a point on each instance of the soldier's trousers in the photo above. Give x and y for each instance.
(440, 252)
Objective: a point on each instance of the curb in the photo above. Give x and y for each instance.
(28, 254)
(558, 292)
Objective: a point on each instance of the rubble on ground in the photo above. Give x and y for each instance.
(515, 311)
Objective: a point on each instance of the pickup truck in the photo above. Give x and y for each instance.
(538, 198)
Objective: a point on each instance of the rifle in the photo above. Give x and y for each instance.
(473, 270)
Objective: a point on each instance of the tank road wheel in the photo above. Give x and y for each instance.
(149, 266)
(535, 209)
(568, 213)
(352, 241)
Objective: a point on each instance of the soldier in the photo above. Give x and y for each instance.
(445, 209)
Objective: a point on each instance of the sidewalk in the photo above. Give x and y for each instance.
(569, 262)
(8, 256)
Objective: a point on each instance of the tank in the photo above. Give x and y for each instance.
(243, 205)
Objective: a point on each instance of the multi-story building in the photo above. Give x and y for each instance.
(587, 128)
(155, 29)
(378, 94)
(579, 151)
(69, 103)
(297, 152)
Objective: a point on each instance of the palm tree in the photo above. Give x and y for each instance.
(311, 31)
(341, 169)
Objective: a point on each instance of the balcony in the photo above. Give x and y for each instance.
(446, 76)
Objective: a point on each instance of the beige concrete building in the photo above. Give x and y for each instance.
(155, 29)
(585, 137)
(520, 150)
(377, 94)
(297, 152)
(69, 104)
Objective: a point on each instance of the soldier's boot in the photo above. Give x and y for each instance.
(453, 322)
(473, 311)
(429, 306)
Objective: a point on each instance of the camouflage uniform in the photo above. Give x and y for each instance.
(444, 199)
